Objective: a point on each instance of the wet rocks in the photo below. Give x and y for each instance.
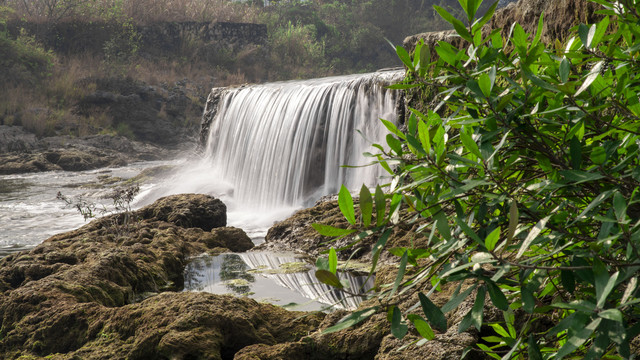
(22, 152)
(297, 234)
(107, 291)
(188, 210)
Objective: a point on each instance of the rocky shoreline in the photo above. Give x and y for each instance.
(22, 152)
(112, 289)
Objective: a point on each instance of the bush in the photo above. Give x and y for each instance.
(524, 181)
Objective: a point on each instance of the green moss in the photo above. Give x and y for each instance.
(237, 282)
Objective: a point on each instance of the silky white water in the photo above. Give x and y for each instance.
(277, 147)
(272, 149)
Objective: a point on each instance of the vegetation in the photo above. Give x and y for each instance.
(121, 198)
(523, 183)
(305, 39)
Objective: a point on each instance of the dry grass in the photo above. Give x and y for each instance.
(140, 11)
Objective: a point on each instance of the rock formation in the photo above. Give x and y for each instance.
(111, 290)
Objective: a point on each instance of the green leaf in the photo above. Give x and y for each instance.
(595, 202)
(535, 231)
(469, 143)
(433, 313)
(477, 311)
(497, 296)
(445, 14)
(442, 224)
(393, 129)
(486, 17)
(601, 29)
(400, 275)
(612, 314)
(422, 326)
(415, 146)
(352, 319)
(619, 206)
(533, 349)
(564, 70)
(577, 338)
(329, 278)
(591, 77)
(484, 81)
(472, 8)
(578, 177)
(599, 346)
(398, 327)
(513, 220)
(423, 134)
(333, 260)
(404, 56)
(345, 202)
(568, 280)
(447, 54)
(492, 239)
(457, 299)
(598, 155)
(604, 284)
(528, 299)
(366, 205)
(462, 30)
(394, 144)
(466, 322)
(583, 32)
(538, 35)
(577, 131)
(322, 263)
(328, 230)
(381, 206)
(575, 152)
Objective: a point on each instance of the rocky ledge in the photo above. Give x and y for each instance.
(23, 152)
(111, 290)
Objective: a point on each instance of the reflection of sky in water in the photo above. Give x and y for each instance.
(232, 274)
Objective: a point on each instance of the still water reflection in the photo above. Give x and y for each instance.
(280, 279)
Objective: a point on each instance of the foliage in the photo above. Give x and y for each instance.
(23, 59)
(121, 198)
(524, 182)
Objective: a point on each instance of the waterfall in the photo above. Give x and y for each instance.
(283, 144)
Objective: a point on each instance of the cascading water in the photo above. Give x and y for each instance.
(273, 148)
(283, 144)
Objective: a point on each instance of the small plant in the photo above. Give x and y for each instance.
(122, 199)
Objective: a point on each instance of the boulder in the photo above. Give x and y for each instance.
(231, 238)
(188, 210)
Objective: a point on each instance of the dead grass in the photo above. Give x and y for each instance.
(139, 11)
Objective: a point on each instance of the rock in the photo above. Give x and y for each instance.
(188, 210)
(152, 114)
(15, 139)
(559, 17)
(210, 111)
(231, 238)
(296, 234)
(106, 291)
(21, 152)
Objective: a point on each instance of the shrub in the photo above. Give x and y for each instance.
(525, 182)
